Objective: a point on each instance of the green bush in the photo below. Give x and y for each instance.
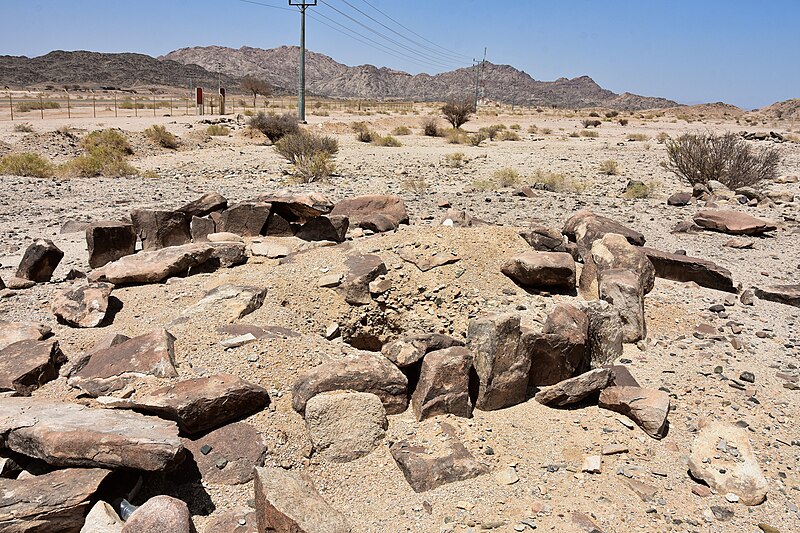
(111, 139)
(476, 139)
(160, 136)
(314, 167)
(275, 127)
(26, 164)
(557, 182)
(102, 161)
(506, 177)
(638, 190)
(310, 153)
(363, 134)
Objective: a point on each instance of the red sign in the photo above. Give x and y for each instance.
(199, 92)
(222, 92)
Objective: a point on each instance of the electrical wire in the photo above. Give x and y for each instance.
(265, 5)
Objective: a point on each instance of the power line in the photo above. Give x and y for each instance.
(266, 5)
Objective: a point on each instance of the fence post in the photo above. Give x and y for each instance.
(170, 105)
(11, 105)
(69, 113)
(115, 104)
(154, 104)
(135, 106)
(41, 105)
(94, 105)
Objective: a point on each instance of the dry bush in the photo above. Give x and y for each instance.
(275, 127)
(160, 136)
(509, 135)
(458, 112)
(23, 127)
(475, 139)
(101, 161)
(662, 137)
(26, 164)
(401, 130)
(515, 127)
(638, 137)
(729, 159)
(455, 136)
(587, 133)
(385, 140)
(533, 129)
(218, 130)
(791, 137)
(363, 134)
(609, 167)
(454, 160)
(611, 114)
(594, 114)
(546, 131)
(430, 127)
(314, 167)
(111, 140)
(311, 154)
(557, 182)
(638, 190)
(507, 177)
(416, 185)
(623, 122)
(590, 123)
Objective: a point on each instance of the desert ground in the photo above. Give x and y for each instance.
(533, 453)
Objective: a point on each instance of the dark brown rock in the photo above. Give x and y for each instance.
(365, 372)
(783, 294)
(210, 201)
(160, 229)
(239, 446)
(225, 255)
(27, 365)
(679, 199)
(201, 228)
(622, 377)
(574, 390)
(553, 357)
(152, 267)
(246, 219)
(541, 270)
(683, 268)
(585, 227)
(109, 240)
(40, 260)
(83, 305)
(409, 350)
(325, 228)
(68, 434)
(378, 213)
(544, 239)
(605, 333)
(732, 222)
(298, 208)
(11, 332)
(443, 386)
(113, 368)
(277, 226)
(622, 289)
(288, 502)
(160, 514)
(362, 269)
(647, 407)
(55, 502)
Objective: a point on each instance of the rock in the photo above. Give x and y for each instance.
(50, 503)
(739, 243)
(507, 476)
(560, 350)
(364, 372)
(271, 250)
(542, 270)
(575, 389)
(224, 236)
(333, 331)
(40, 260)
(225, 255)
(152, 267)
(647, 407)
(236, 342)
(460, 219)
(109, 240)
(76, 363)
(227, 303)
(427, 261)
(72, 226)
(679, 199)
(113, 368)
(683, 268)
(723, 457)
(11, 332)
(83, 305)
(344, 426)
(544, 239)
(288, 502)
(277, 226)
(161, 229)
(425, 468)
(200, 404)
(622, 377)
(592, 464)
(239, 445)
(583, 523)
(246, 219)
(203, 206)
(379, 286)
(623, 290)
(362, 269)
(783, 294)
(201, 228)
(102, 519)
(585, 227)
(160, 514)
(2, 285)
(443, 386)
(605, 333)
(298, 207)
(325, 228)
(27, 365)
(613, 251)
(732, 222)
(643, 490)
(238, 520)
(502, 367)
(410, 350)
(378, 213)
(68, 434)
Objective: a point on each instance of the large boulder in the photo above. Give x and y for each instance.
(605, 333)
(200, 404)
(362, 269)
(27, 365)
(299, 208)
(210, 201)
(443, 386)
(613, 251)
(542, 270)
(287, 501)
(325, 228)
(622, 288)
(68, 434)
(502, 367)
(11, 332)
(585, 227)
(113, 368)
(647, 407)
(55, 502)
(109, 240)
(409, 350)
(160, 514)
(152, 267)
(784, 294)
(40, 260)
(678, 267)
(344, 426)
(246, 219)
(83, 305)
(732, 222)
(363, 372)
(560, 350)
(544, 239)
(722, 456)
(378, 212)
(574, 390)
(227, 455)
(201, 228)
(160, 229)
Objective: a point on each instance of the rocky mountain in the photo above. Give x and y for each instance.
(786, 109)
(324, 76)
(94, 69)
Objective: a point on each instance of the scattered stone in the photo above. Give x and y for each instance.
(683, 268)
(613, 449)
(643, 490)
(270, 250)
(732, 222)
(330, 281)
(205, 205)
(288, 501)
(160, 514)
(83, 305)
(443, 386)
(102, 519)
(152, 267)
(506, 476)
(378, 213)
(575, 389)
(749, 377)
(246, 219)
(783, 294)
(109, 240)
(345, 426)
(238, 520)
(721, 513)
(40, 260)
(410, 350)
(701, 490)
(11, 332)
(679, 199)
(542, 270)
(236, 342)
(27, 365)
(647, 407)
(739, 243)
(428, 262)
(592, 464)
(227, 303)
(333, 331)
(584, 523)
(239, 444)
(18, 284)
(362, 269)
(161, 229)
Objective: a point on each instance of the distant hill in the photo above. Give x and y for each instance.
(324, 76)
(786, 109)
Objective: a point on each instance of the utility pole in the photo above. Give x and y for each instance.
(301, 90)
(480, 75)
(477, 71)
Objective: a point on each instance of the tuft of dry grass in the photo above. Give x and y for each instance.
(26, 164)
(640, 137)
(160, 136)
(454, 160)
(507, 177)
(558, 182)
(218, 130)
(609, 167)
(401, 130)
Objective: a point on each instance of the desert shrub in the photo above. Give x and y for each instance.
(314, 167)
(483, 184)
(385, 140)
(24, 107)
(454, 160)
(546, 131)
(662, 137)
(594, 114)
(609, 167)
(23, 127)
(623, 122)
(362, 132)
(729, 159)
(509, 135)
(100, 161)
(275, 127)
(506, 177)
(533, 129)
(638, 137)
(455, 136)
(458, 112)
(248, 112)
(416, 185)
(515, 127)
(638, 189)
(791, 137)
(590, 134)
(557, 182)
(217, 130)
(430, 127)
(611, 114)
(109, 140)
(302, 145)
(491, 132)
(160, 136)
(475, 139)
(590, 123)
(26, 164)
(401, 130)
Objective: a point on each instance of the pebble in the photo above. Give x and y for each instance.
(731, 497)
(749, 377)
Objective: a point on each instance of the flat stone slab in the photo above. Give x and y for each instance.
(732, 222)
(153, 266)
(11, 332)
(782, 294)
(541, 270)
(54, 502)
(228, 455)
(27, 365)
(677, 267)
(647, 407)
(427, 261)
(227, 303)
(575, 389)
(68, 434)
(84, 305)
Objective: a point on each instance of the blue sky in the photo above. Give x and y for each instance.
(742, 52)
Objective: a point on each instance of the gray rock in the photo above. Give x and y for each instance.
(605, 333)
(227, 303)
(622, 289)
(344, 426)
